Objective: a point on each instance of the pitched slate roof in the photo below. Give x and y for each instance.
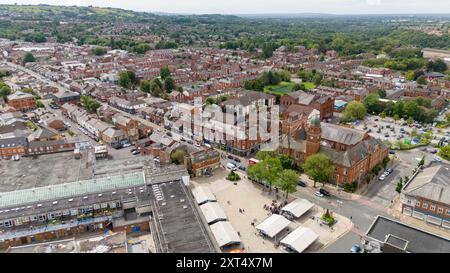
(432, 183)
(341, 134)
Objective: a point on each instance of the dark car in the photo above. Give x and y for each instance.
(237, 159)
(230, 157)
(389, 170)
(242, 168)
(301, 184)
(392, 152)
(324, 192)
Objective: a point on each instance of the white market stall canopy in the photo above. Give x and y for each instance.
(203, 195)
(298, 207)
(300, 239)
(213, 212)
(273, 225)
(225, 234)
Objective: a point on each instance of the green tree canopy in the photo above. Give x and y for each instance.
(287, 181)
(178, 156)
(28, 58)
(355, 110)
(164, 72)
(319, 168)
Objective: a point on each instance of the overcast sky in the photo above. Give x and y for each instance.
(261, 6)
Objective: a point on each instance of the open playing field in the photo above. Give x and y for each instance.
(281, 88)
(286, 87)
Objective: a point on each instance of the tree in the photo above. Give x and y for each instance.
(124, 79)
(28, 58)
(421, 80)
(410, 121)
(99, 51)
(383, 115)
(287, 181)
(381, 93)
(169, 84)
(355, 110)
(145, 86)
(232, 176)
(178, 156)
(164, 72)
(319, 168)
(410, 75)
(90, 104)
(396, 118)
(263, 155)
(372, 104)
(399, 186)
(287, 162)
(444, 152)
(5, 90)
(209, 101)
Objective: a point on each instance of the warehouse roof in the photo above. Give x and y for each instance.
(59, 191)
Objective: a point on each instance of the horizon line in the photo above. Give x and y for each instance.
(239, 14)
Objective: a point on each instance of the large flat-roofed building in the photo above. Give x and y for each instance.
(390, 236)
(135, 200)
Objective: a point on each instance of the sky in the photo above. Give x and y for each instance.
(261, 6)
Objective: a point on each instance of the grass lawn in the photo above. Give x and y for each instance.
(280, 89)
(309, 85)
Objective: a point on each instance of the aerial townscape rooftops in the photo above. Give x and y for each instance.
(226, 127)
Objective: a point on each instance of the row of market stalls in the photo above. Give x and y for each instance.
(299, 239)
(221, 228)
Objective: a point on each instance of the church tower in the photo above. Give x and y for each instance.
(313, 136)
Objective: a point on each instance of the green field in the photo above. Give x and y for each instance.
(286, 87)
(309, 85)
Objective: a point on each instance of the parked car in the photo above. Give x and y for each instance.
(242, 168)
(389, 170)
(392, 152)
(125, 145)
(382, 177)
(355, 248)
(236, 159)
(318, 194)
(230, 157)
(136, 152)
(301, 184)
(324, 192)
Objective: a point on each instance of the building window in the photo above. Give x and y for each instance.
(432, 207)
(440, 210)
(447, 211)
(418, 203)
(425, 205)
